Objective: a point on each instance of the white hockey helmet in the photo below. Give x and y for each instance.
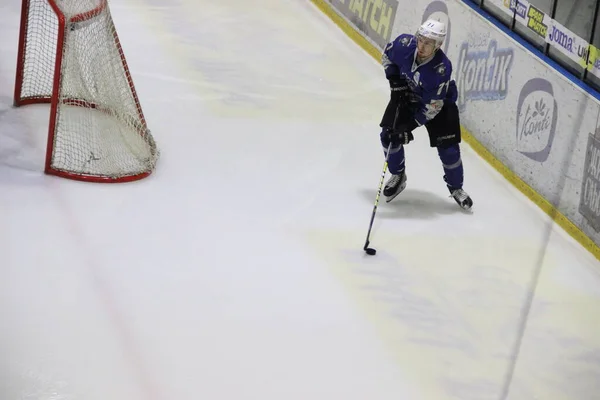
(434, 30)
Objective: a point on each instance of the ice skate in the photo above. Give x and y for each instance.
(462, 198)
(394, 186)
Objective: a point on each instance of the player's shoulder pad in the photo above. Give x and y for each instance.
(405, 40)
(442, 67)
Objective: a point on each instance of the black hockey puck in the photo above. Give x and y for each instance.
(370, 251)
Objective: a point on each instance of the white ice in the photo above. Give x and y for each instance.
(236, 271)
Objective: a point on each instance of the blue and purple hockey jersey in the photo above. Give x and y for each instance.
(430, 82)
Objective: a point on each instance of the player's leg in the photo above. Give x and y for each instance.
(396, 165)
(454, 174)
(444, 134)
(396, 161)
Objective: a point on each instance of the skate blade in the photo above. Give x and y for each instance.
(392, 197)
(467, 205)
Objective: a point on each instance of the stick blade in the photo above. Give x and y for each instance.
(370, 251)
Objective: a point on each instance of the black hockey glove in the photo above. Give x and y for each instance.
(401, 93)
(396, 137)
(406, 125)
(399, 89)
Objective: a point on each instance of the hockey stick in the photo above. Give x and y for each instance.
(369, 250)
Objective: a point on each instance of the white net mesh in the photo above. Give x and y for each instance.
(39, 59)
(100, 130)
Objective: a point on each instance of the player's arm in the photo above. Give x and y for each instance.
(387, 57)
(399, 113)
(394, 53)
(423, 110)
(452, 92)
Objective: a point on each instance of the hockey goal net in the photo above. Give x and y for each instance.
(70, 56)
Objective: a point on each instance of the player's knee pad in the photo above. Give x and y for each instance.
(385, 143)
(450, 156)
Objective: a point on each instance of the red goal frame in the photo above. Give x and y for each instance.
(53, 99)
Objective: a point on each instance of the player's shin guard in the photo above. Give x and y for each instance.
(395, 159)
(454, 175)
(396, 156)
(397, 182)
(453, 168)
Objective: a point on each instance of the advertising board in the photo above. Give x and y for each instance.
(526, 114)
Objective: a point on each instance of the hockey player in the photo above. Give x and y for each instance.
(422, 93)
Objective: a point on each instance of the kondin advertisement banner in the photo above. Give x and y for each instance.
(525, 113)
(528, 115)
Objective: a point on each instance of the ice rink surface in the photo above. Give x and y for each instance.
(236, 270)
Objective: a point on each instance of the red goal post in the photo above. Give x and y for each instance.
(70, 56)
